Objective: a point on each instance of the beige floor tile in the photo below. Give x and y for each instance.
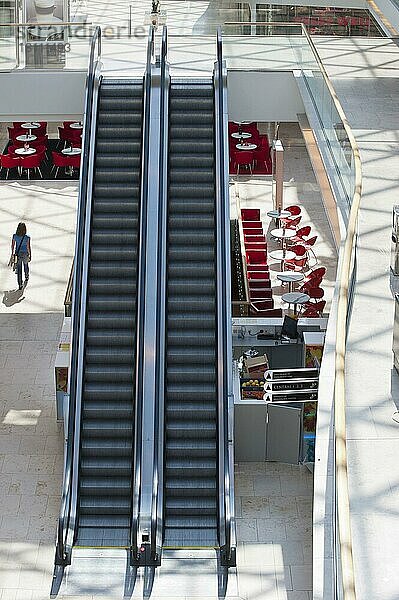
(267, 485)
(254, 507)
(246, 530)
(271, 530)
(282, 506)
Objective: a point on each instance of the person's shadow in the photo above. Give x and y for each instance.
(12, 297)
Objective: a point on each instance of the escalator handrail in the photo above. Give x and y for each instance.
(66, 529)
(140, 303)
(224, 351)
(157, 492)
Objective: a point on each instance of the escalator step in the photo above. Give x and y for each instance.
(106, 447)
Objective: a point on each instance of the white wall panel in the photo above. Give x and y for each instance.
(267, 96)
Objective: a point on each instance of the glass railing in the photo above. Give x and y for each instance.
(60, 46)
(333, 561)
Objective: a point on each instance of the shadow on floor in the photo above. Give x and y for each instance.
(12, 297)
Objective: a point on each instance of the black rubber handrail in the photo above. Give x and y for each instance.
(156, 537)
(140, 304)
(66, 528)
(227, 539)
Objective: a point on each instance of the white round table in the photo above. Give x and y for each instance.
(244, 135)
(26, 138)
(71, 151)
(283, 234)
(30, 126)
(246, 146)
(295, 298)
(278, 214)
(78, 125)
(282, 255)
(25, 151)
(290, 277)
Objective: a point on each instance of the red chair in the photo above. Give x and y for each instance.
(260, 294)
(256, 284)
(257, 268)
(13, 132)
(244, 158)
(253, 231)
(250, 214)
(73, 162)
(308, 245)
(253, 238)
(262, 156)
(251, 225)
(9, 162)
(233, 127)
(59, 162)
(310, 313)
(255, 246)
(316, 307)
(69, 135)
(315, 274)
(297, 263)
(256, 257)
(264, 142)
(11, 150)
(308, 285)
(41, 140)
(294, 209)
(251, 275)
(290, 223)
(301, 233)
(316, 293)
(32, 162)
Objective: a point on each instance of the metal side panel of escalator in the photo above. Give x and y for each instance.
(191, 437)
(108, 388)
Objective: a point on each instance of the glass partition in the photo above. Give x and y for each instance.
(45, 46)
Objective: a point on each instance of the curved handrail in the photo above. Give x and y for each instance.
(140, 307)
(224, 351)
(341, 462)
(65, 531)
(348, 255)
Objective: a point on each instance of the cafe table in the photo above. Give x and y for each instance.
(290, 277)
(278, 214)
(244, 135)
(282, 256)
(295, 298)
(25, 137)
(30, 126)
(246, 146)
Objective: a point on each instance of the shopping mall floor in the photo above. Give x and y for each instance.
(274, 501)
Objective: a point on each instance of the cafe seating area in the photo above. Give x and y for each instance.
(249, 150)
(32, 154)
(294, 264)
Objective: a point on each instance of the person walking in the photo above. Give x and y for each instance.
(20, 246)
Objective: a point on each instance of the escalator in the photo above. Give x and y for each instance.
(108, 389)
(191, 435)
